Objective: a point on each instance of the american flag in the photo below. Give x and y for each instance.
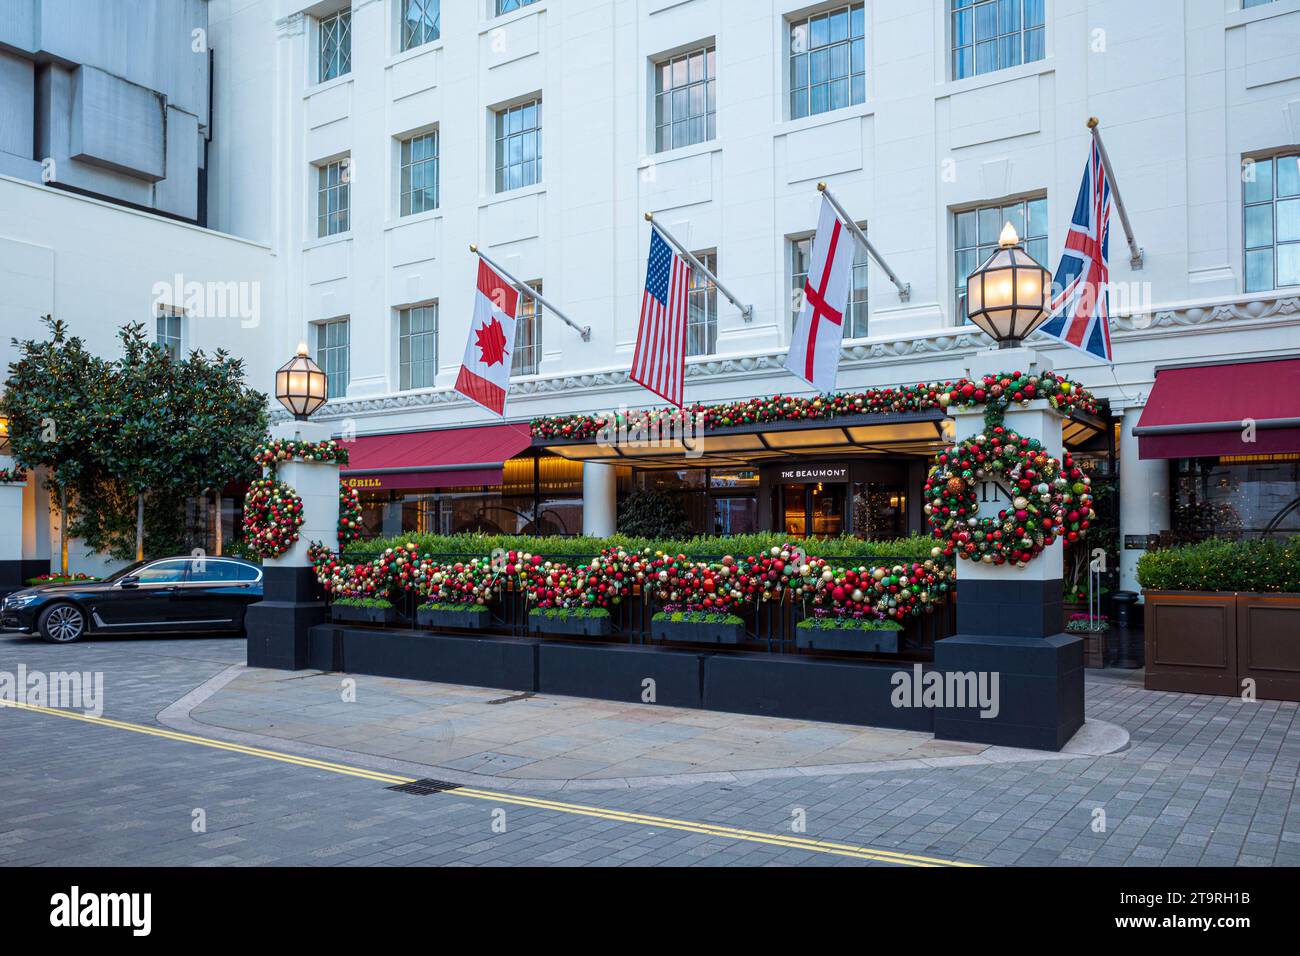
(1081, 304)
(660, 359)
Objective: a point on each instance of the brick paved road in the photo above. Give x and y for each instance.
(1206, 781)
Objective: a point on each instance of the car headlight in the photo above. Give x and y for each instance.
(14, 601)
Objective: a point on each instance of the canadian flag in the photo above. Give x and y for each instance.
(815, 346)
(485, 370)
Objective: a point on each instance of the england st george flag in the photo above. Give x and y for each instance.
(485, 370)
(815, 346)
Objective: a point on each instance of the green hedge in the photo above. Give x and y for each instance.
(916, 548)
(848, 624)
(1218, 565)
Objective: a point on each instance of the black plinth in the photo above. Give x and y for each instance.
(1012, 630)
(278, 626)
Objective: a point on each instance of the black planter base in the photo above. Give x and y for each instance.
(277, 633)
(507, 663)
(620, 672)
(846, 640)
(697, 632)
(346, 614)
(1039, 701)
(463, 620)
(545, 626)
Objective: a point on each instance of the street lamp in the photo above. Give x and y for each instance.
(1009, 295)
(300, 385)
(4, 434)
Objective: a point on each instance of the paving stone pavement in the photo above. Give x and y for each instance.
(1206, 781)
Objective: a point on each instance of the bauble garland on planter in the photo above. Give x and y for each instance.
(272, 517)
(1051, 498)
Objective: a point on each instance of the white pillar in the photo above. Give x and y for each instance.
(317, 484)
(599, 499)
(11, 516)
(1143, 499)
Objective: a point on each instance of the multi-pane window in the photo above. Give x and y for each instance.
(828, 61)
(976, 232)
(1270, 193)
(686, 100)
(417, 336)
(801, 257)
(332, 345)
(421, 22)
(990, 35)
(333, 198)
(519, 146)
(335, 53)
(702, 308)
(528, 334)
(508, 6)
(419, 169)
(1247, 4)
(170, 330)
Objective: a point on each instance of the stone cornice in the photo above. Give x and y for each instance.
(1259, 311)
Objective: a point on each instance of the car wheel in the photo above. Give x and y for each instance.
(62, 624)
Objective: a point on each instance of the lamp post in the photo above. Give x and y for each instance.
(1010, 622)
(1008, 296)
(279, 627)
(300, 385)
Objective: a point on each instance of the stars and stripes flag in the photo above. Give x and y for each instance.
(1080, 302)
(815, 346)
(485, 370)
(659, 362)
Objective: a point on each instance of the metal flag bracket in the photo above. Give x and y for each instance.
(746, 311)
(525, 289)
(904, 288)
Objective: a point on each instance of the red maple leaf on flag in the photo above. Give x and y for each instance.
(491, 342)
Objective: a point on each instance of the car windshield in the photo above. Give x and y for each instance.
(120, 573)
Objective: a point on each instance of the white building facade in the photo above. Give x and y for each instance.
(367, 145)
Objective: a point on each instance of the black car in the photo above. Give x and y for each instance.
(167, 594)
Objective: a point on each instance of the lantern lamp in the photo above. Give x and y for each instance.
(300, 385)
(1010, 294)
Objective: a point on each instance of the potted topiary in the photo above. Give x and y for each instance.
(852, 634)
(363, 611)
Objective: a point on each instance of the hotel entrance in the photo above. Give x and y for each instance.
(812, 502)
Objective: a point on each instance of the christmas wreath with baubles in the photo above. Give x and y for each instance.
(349, 514)
(324, 452)
(272, 517)
(1051, 498)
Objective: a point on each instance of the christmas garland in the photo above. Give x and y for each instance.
(784, 573)
(349, 514)
(12, 476)
(274, 452)
(1019, 387)
(1051, 499)
(272, 517)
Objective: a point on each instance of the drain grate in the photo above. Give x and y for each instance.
(426, 787)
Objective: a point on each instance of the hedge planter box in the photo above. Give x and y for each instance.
(473, 617)
(569, 624)
(848, 637)
(355, 614)
(697, 629)
(1211, 642)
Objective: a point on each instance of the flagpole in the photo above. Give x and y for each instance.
(904, 289)
(525, 289)
(1136, 253)
(747, 311)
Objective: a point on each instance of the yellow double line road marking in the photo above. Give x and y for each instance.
(619, 816)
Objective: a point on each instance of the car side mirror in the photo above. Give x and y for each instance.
(130, 581)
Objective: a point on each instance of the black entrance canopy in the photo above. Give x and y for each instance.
(912, 434)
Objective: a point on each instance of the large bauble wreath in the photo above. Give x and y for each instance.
(1050, 499)
(272, 517)
(349, 514)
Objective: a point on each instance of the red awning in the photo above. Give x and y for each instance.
(1208, 411)
(434, 459)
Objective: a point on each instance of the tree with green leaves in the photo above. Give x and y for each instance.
(55, 400)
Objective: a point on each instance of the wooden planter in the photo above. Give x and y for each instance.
(347, 614)
(465, 620)
(847, 640)
(697, 632)
(572, 626)
(1209, 642)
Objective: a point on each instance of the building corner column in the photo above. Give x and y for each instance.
(1144, 506)
(599, 499)
(12, 569)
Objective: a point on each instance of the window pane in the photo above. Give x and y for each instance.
(1288, 264)
(1257, 180)
(1259, 226)
(990, 224)
(966, 234)
(1259, 270)
(1288, 220)
(1288, 175)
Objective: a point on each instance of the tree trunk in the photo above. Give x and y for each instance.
(63, 531)
(139, 527)
(216, 496)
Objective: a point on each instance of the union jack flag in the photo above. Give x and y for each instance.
(1080, 302)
